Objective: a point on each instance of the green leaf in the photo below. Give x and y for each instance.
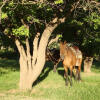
(21, 31)
(4, 15)
(58, 1)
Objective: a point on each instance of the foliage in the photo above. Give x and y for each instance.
(55, 44)
(86, 29)
(92, 36)
(36, 14)
(85, 21)
(21, 31)
(6, 43)
(4, 15)
(58, 1)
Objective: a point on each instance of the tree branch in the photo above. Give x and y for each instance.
(53, 40)
(28, 53)
(35, 48)
(24, 24)
(4, 2)
(20, 49)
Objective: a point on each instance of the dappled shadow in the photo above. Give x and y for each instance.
(61, 72)
(96, 66)
(61, 69)
(45, 72)
(8, 65)
(47, 68)
(9, 55)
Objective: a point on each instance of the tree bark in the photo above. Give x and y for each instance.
(87, 64)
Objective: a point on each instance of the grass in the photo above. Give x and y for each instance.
(9, 73)
(50, 85)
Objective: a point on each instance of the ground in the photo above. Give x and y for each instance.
(50, 85)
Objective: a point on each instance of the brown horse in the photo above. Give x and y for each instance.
(71, 57)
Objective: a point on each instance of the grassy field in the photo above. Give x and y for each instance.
(50, 85)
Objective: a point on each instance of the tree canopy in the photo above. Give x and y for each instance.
(24, 18)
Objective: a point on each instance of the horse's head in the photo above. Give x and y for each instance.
(62, 50)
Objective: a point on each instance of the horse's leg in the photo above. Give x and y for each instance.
(66, 75)
(77, 76)
(75, 69)
(71, 71)
(75, 73)
(79, 70)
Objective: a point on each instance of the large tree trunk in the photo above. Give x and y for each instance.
(87, 64)
(32, 65)
(25, 75)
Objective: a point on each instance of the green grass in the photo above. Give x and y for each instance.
(9, 74)
(50, 85)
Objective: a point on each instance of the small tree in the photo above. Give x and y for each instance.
(87, 64)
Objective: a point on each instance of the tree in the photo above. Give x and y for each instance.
(41, 18)
(87, 64)
(30, 24)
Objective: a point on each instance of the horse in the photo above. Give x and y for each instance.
(71, 57)
(53, 55)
